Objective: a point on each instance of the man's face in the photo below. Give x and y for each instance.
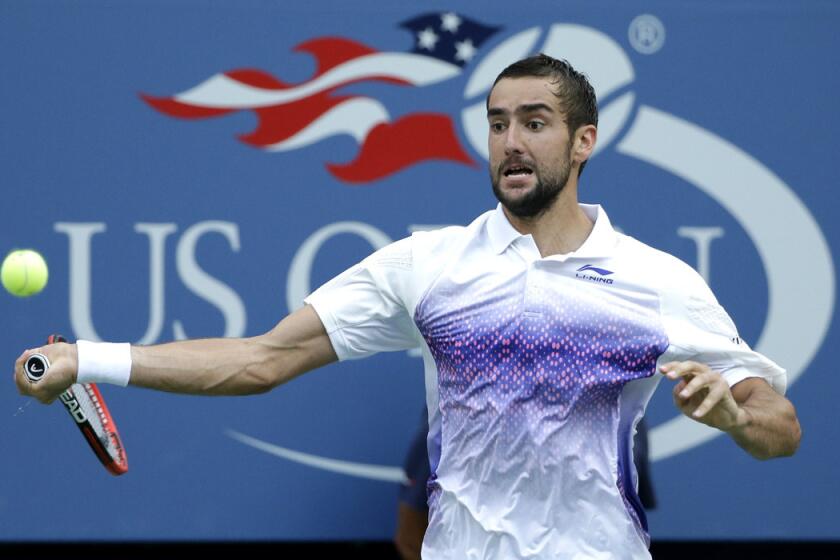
(530, 149)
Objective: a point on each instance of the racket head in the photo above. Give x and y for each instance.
(87, 407)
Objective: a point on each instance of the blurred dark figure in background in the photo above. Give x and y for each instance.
(413, 511)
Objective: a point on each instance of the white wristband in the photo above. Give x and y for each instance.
(104, 362)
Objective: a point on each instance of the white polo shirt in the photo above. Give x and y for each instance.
(537, 371)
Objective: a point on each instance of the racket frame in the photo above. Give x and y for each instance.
(116, 466)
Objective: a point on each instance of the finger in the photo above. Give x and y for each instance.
(684, 405)
(675, 370)
(30, 351)
(25, 356)
(697, 383)
(20, 379)
(21, 359)
(665, 368)
(673, 365)
(711, 400)
(24, 385)
(20, 384)
(679, 387)
(41, 392)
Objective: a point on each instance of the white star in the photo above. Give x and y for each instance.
(450, 22)
(427, 38)
(465, 50)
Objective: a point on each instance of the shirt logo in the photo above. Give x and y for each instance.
(601, 272)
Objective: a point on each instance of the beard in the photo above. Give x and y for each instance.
(539, 199)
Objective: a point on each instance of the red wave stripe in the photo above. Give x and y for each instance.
(256, 78)
(330, 52)
(389, 148)
(279, 122)
(169, 106)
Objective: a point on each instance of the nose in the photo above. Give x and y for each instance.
(513, 141)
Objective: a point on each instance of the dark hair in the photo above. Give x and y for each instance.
(574, 92)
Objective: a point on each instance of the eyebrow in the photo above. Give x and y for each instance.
(522, 109)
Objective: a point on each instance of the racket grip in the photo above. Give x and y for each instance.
(35, 367)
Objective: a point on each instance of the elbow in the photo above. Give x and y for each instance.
(787, 449)
(794, 432)
(259, 383)
(795, 439)
(261, 378)
(789, 444)
(265, 371)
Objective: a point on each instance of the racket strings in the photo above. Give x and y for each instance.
(92, 408)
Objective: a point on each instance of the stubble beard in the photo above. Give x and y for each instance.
(548, 187)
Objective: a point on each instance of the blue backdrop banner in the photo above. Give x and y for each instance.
(196, 168)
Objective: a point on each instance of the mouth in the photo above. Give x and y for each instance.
(517, 174)
(517, 170)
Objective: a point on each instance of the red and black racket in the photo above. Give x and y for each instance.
(86, 406)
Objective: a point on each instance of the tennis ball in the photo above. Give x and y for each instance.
(24, 273)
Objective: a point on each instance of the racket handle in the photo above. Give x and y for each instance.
(35, 367)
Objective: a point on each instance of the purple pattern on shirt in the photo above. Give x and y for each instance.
(530, 383)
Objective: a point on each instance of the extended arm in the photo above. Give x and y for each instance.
(224, 366)
(759, 419)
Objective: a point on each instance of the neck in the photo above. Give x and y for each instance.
(562, 228)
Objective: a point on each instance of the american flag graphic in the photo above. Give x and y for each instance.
(294, 116)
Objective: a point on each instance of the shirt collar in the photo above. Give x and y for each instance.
(600, 243)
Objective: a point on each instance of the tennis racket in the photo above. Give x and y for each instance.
(86, 406)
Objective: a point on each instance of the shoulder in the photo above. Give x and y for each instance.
(421, 246)
(663, 270)
(451, 240)
(406, 267)
(438, 238)
(683, 293)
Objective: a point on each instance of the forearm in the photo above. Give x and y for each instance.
(235, 366)
(220, 366)
(767, 426)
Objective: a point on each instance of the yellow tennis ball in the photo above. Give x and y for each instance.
(24, 273)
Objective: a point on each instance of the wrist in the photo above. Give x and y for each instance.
(103, 362)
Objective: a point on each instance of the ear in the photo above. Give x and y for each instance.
(584, 142)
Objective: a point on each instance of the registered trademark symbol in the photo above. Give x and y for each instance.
(646, 34)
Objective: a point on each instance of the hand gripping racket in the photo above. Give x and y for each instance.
(86, 406)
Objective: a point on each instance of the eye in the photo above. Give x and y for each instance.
(497, 126)
(535, 125)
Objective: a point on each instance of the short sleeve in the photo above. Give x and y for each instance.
(364, 309)
(699, 329)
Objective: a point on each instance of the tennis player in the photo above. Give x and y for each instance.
(544, 330)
